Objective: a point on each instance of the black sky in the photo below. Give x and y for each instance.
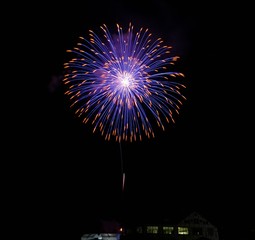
(202, 163)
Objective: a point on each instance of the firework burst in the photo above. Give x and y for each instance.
(122, 83)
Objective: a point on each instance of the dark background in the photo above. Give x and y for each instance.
(69, 178)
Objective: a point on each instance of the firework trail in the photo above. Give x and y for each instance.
(122, 84)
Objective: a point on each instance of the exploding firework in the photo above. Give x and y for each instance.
(122, 83)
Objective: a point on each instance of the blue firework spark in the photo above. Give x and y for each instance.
(121, 83)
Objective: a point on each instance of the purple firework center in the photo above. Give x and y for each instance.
(126, 80)
(122, 83)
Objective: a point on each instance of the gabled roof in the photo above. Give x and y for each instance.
(195, 219)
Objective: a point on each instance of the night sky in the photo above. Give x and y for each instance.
(201, 163)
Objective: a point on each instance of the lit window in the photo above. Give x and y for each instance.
(168, 230)
(183, 230)
(152, 229)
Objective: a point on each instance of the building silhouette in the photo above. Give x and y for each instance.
(193, 227)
